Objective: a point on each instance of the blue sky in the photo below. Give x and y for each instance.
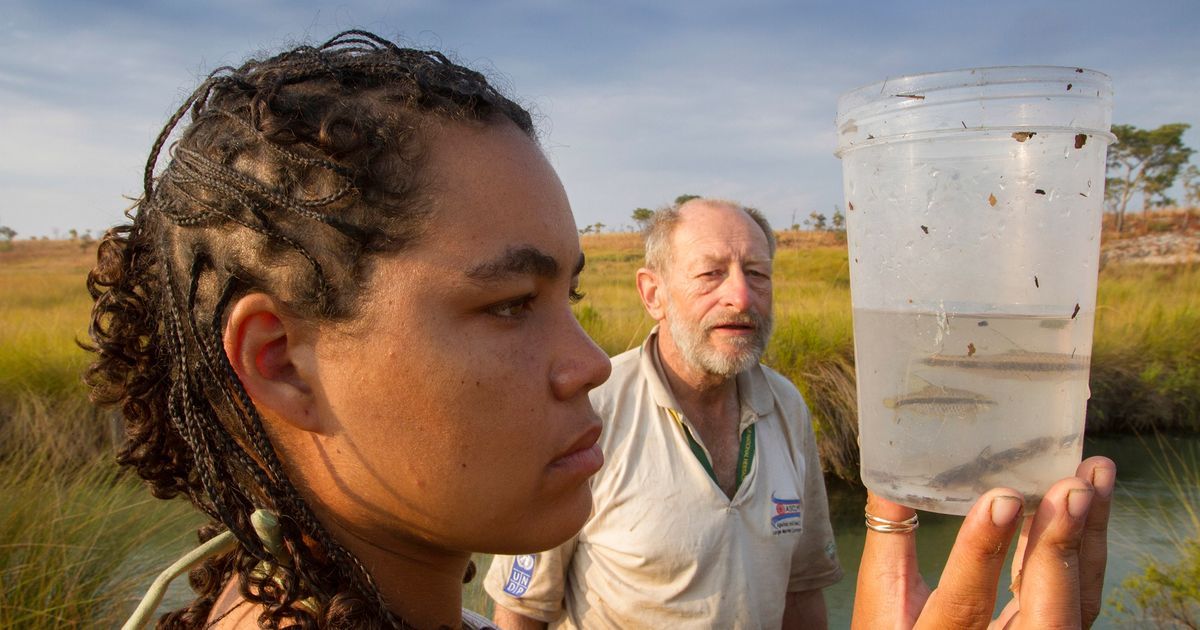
(638, 102)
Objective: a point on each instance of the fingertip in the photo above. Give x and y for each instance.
(1005, 508)
(1102, 473)
(1078, 502)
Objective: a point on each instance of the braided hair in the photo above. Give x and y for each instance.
(292, 176)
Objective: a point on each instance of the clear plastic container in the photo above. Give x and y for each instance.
(973, 210)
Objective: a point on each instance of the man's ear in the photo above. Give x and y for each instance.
(653, 292)
(272, 355)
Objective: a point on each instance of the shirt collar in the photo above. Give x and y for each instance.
(752, 381)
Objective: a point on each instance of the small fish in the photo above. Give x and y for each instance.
(987, 463)
(936, 401)
(1022, 136)
(1014, 364)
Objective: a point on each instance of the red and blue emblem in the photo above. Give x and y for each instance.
(787, 513)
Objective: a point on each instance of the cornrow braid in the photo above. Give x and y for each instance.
(290, 176)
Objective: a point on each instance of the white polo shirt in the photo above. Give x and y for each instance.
(665, 547)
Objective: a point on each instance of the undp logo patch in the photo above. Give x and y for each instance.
(521, 575)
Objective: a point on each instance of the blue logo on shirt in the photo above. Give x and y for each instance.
(520, 576)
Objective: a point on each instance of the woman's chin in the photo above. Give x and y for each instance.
(547, 529)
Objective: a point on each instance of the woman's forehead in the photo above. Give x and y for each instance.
(492, 191)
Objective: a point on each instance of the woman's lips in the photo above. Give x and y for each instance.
(584, 456)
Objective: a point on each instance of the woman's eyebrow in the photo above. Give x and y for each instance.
(525, 260)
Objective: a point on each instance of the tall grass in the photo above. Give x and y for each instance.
(79, 540)
(1166, 593)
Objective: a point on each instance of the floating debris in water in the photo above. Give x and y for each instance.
(1076, 311)
(1080, 140)
(970, 349)
(1022, 136)
(1019, 364)
(1036, 285)
(936, 401)
(919, 97)
(992, 200)
(982, 323)
(1038, 191)
(925, 229)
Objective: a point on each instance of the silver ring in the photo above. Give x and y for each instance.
(885, 526)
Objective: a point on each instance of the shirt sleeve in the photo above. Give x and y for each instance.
(532, 585)
(814, 562)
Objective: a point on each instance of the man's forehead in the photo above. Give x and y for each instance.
(720, 240)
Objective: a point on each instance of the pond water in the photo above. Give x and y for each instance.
(1145, 512)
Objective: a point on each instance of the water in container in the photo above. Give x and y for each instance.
(973, 209)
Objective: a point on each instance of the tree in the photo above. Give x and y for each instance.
(682, 199)
(6, 233)
(642, 217)
(816, 220)
(1191, 193)
(1145, 161)
(838, 219)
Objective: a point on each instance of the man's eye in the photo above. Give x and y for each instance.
(515, 308)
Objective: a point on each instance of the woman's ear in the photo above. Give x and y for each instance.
(272, 354)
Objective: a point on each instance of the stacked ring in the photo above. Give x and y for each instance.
(885, 526)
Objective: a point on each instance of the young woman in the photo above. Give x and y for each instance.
(339, 323)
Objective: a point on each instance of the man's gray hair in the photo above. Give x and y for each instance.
(662, 225)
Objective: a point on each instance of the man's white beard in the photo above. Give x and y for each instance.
(699, 353)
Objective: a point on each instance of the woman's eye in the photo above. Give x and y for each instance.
(511, 309)
(575, 295)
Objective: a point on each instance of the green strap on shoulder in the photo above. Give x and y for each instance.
(217, 544)
(745, 451)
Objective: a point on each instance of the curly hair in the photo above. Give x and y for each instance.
(292, 176)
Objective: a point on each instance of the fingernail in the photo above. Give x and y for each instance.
(1005, 509)
(1078, 500)
(1104, 480)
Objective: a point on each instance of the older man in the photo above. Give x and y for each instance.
(710, 511)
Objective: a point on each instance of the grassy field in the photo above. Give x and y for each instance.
(78, 539)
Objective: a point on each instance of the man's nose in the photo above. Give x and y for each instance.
(735, 291)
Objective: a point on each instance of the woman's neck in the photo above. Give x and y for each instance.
(419, 583)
